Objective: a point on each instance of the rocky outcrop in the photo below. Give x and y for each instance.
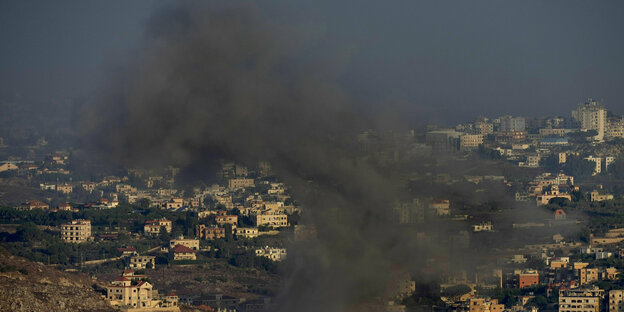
(33, 287)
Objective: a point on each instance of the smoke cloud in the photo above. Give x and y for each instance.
(223, 80)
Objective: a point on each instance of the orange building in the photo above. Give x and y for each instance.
(528, 279)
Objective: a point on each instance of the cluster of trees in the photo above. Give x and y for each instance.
(575, 166)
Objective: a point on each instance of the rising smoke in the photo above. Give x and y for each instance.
(225, 81)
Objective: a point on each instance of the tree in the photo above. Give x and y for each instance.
(578, 167)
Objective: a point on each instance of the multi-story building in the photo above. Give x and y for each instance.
(483, 305)
(223, 218)
(615, 128)
(615, 300)
(588, 275)
(595, 196)
(138, 294)
(181, 252)
(142, 262)
(238, 183)
(592, 116)
(78, 231)
(271, 220)
(275, 254)
(508, 123)
(153, 226)
(580, 300)
(442, 207)
(187, 242)
(470, 141)
(246, 232)
(209, 232)
(528, 278)
(598, 163)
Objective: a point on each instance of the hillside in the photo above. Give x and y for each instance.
(32, 287)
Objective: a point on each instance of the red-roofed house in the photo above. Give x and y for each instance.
(183, 253)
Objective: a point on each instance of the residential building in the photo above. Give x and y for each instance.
(142, 262)
(588, 275)
(239, 183)
(485, 305)
(187, 242)
(580, 300)
(221, 218)
(444, 141)
(64, 188)
(595, 196)
(209, 232)
(509, 123)
(246, 232)
(271, 220)
(470, 141)
(485, 226)
(131, 293)
(598, 163)
(153, 227)
(592, 116)
(34, 204)
(442, 207)
(275, 254)
(528, 278)
(615, 128)
(615, 300)
(78, 231)
(181, 252)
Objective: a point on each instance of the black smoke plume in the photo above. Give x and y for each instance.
(223, 80)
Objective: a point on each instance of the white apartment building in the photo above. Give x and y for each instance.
(592, 116)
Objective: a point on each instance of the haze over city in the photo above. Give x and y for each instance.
(226, 156)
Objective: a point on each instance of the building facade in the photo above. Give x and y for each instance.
(78, 231)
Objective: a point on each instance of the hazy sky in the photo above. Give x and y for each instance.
(435, 60)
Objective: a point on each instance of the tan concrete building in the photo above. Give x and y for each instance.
(580, 300)
(246, 232)
(271, 220)
(240, 183)
(595, 196)
(275, 254)
(183, 253)
(442, 207)
(588, 275)
(483, 305)
(615, 300)
(78, 231)
(152, 227)
(470, 141)
(209, 232)
(223, 219)
(139, 295)
(187, 242)
(141, 262)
